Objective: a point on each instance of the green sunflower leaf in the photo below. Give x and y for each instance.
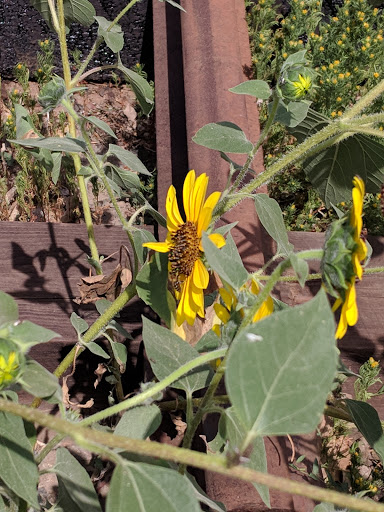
(331, 171)
(225, 136)
(226, 261)
(167, 352)
(280, 369)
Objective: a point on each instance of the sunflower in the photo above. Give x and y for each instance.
(229, 305)
(187, 272)
(349, 312)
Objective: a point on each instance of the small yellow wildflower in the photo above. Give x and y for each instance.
(300, 41)
(339, 99)
(376, 74)
(324, 68)
(348, 29)
(341, 76)
(293, 207)
(343, 36)
(261, 45)
(305, 11)
(334, 81)
(371, 55)
(339, 42)
(363, 48)
(336, 62)
(321, 48)
(366, 25)
(347, 74)
(285, 55)
(379, 37)
(339, 113)
(331, 66)
(333, 114)
(335, 18)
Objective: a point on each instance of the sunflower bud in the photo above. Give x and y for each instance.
(337, 265)
(296, 82)
(11, 363)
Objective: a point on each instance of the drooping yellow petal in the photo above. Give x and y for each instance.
(198, 197)
(343, 325)
(185, 311)
(157, 246)
(227, 297)
(351, 312)
(189, 185)
(221, 312)
(206, 213)
(200, 275)
(174, 219)
(264, 310)
(217, 239)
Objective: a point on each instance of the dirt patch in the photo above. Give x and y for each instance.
(116, 106)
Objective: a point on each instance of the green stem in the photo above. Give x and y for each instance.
(48, 448)
(364, 102)
(155, 389)
(98, 168)
(205, 403)
(72, 131)
(216, 463)
(96, 328)
(374, 132)
(298, 153)
(256, 147)
(55, 21)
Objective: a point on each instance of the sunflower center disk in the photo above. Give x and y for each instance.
(184, 252)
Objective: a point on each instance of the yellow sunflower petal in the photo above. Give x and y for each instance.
(255, 288)
(188, 188)
(359, 183)
(217, 239)
(227, 297)
(264, 310)
(336, 305)
(157, 246)
(200, 275)
(351, 311)
(216, 330)
(221, 312)
(206, 212)
(343, 325)
(185, 311)
(174, 219)
(198, 197)
(197, 299)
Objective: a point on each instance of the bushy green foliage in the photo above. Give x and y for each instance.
(347, 52)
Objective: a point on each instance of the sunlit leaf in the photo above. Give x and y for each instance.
(65, 144)
(114, 37)
(280, 369)
(224, 136)
(257, 88)
(141, 88)
(9, 312)
(102, 125)
(271, 217)
(225, 261)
